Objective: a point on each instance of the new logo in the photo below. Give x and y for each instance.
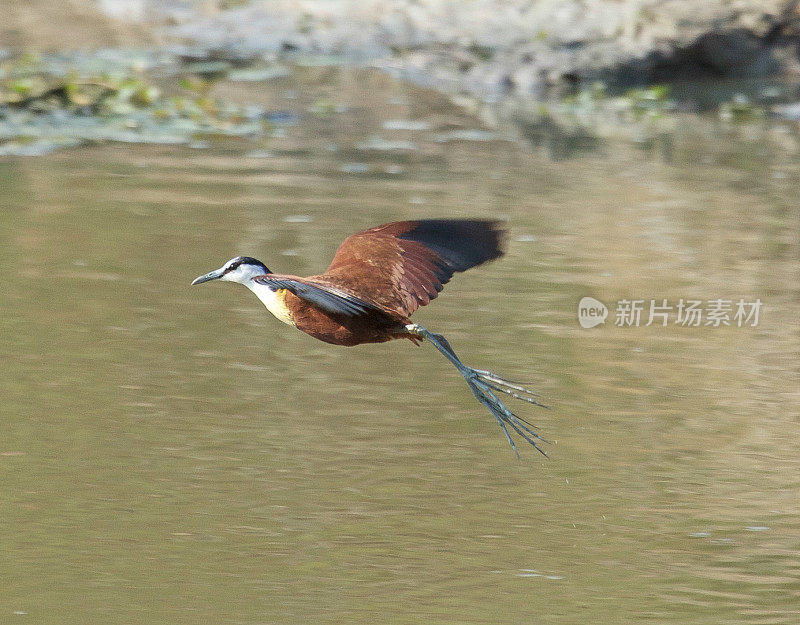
(591, 312)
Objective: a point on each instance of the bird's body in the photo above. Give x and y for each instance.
(376, 280)
(371, 327)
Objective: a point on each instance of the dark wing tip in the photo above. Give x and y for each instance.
(462, 243)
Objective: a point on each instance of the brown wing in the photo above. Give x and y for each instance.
(403, 265)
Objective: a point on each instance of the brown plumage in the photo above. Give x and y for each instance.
(377, 279)
(391, 270)
(407, 263)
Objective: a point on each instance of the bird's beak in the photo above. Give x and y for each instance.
(211, 275)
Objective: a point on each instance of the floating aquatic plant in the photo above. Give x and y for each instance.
(741, 110)
(649, 102)
(45, 106)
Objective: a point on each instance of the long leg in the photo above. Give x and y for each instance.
(483, 385)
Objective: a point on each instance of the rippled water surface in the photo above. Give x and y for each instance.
(173, 454)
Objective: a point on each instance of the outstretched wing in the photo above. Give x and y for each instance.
(403, 265)
(327, 297)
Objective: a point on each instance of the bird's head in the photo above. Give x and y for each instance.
(239, 269)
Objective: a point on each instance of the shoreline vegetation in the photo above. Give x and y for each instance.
(159, 73)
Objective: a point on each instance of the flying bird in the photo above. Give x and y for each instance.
(376, 280)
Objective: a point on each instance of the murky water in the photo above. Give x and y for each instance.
(173, 454)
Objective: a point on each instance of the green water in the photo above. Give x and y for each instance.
(173, 454)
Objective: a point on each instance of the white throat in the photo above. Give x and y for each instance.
(275, 301)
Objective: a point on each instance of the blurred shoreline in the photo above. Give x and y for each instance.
(639, 71)
(528, 49)
(489, 49)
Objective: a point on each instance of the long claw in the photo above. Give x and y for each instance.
(482, 383)
(500, 419)
(504, 416)
(518, 429)
(502, 381)
(528, 423)
(508, 436)
(502, 389)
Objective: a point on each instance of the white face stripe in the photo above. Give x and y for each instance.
(243, 273)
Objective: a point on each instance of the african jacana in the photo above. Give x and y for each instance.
(377, 278)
